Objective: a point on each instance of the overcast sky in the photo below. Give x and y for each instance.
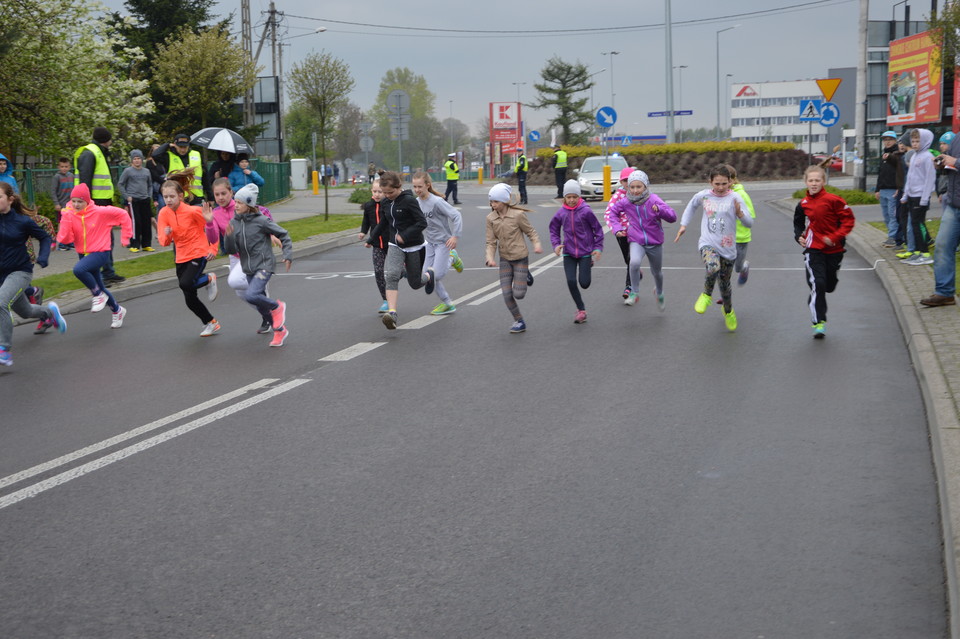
(773, 40)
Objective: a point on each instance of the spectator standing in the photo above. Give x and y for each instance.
(91, 165)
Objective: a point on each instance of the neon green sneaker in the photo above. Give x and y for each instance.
(730, 319)
(444, 309)
(819, 330)
(702, 303)
(457, 263)
(904, 254)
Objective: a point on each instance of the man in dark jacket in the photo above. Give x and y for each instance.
(890, 185)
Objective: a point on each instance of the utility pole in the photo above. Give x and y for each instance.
(247, 41)
(860, 117)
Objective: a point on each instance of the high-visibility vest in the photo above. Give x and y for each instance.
(101, 187)
(521, 163)
(453, 171)
(561, 159)
(176, 164)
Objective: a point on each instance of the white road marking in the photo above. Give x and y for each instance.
(421, 322)
(352, 351)
(130, 434)
(123, 453)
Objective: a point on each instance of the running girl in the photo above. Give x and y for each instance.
(403, 225)
(622, 241)
(576, 234)
(444, 226)
(718, 233)
(90, 226)
(507, 225)
(372, 239)
(183, 225)
(639, 218)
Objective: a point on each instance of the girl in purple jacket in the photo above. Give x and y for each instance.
(639, 217)
(576, 234)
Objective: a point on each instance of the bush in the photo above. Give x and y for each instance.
(360, 195)
(850, 196)
(46, 207)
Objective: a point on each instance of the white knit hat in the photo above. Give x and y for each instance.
(570, 187)
(638, 176)
(500, 193)
(247, 194)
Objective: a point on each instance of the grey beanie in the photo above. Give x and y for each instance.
(136, 153)
(638, 176)
(570, 187)
(247, 194)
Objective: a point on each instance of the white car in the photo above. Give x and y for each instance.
(590, 174)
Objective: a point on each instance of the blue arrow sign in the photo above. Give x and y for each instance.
(606, 117)
(810, 110)
(829, 114)
(534, 136)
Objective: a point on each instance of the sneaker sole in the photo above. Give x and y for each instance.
(389, 321)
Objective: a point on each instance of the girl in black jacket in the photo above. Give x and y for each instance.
(373, 239)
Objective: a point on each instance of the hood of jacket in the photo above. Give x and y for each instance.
(926, 139)
(9, 171)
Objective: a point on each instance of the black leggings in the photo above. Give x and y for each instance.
(190, 275)
(570, 265)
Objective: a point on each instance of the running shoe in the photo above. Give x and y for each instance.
(529, 278)
(919, 259)
(212, 289)
(390, 320)
(211, 328)
(148, 249)
(444, 309)
(889, 244)
(744, 273)
(518, 327)
(118, 318)
(6, 359)
(134, 249)
(702, 303)
(431, 281)
(631, 298)
(626, 293)
(819, 330)
(57, 317)
(99, 301)
(661, 303)
(457, 263)
(384, 307)
(279, 336)
(37, 297)
(265, 327)
(905, 254)
(279, 315)
(43, 325)
(730, 319)
(580, 317)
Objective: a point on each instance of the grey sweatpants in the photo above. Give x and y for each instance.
(13, 299)
(438, 257)
(399, 261)
(654, 253)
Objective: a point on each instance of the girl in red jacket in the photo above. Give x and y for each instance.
(821, 223)
(89, 226)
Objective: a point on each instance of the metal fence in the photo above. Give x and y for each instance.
(276, 177)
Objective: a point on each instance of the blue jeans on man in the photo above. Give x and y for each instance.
(944, 255)
(888, 205)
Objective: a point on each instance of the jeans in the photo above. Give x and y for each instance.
(888, 204)
(256, 295)
(88, 271)
(944, 255)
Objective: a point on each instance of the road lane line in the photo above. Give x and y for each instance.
(130, 434)
(123, 453)
(420, 322)
(351, 351)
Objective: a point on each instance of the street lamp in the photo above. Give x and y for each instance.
(611, 54)
(680, 95)
(518, 85)
(280, 44)
(452, 150)
(726, 96)
(718, 75)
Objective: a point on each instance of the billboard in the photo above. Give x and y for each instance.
(914, 81)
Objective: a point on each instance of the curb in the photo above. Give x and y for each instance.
(942, 419)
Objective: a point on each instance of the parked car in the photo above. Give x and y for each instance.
(590, 174)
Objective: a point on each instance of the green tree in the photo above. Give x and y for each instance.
(346, 136)
(945, 28)
(321, 82)
(426, 139)
(299, 124)
(458, 131)
(421, 105)
(562, 81)
(61, 76)
(198, 77)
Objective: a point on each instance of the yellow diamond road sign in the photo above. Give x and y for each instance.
(828, 87)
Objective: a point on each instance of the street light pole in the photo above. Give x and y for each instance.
(680, 95)
(452, 149)
(718, 75)
(612, 95)
(671, 129)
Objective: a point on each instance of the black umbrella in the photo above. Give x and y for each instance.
(217, 138)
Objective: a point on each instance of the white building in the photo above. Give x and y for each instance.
(770, 111)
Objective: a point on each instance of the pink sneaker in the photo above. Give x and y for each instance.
(279, 336)
(279, 316)
(580, 317)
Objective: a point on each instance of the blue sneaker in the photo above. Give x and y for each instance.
(57, 317)
(384, 307)
(6, 359)
(518, 327)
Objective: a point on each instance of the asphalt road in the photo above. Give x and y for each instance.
(645, 474)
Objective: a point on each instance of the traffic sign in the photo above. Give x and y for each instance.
(828, 87)
(534, 136)
(810, 110)
(829, 114)
(606, 117)
(627, 140)
(366, 143)
(663, 114)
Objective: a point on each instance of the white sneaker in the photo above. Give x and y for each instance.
(212, 287)
(210, 329)
(118, 318)
(99, 302)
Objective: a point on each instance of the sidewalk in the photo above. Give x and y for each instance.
(932, 336)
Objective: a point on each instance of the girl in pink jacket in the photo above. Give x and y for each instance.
(89, 225)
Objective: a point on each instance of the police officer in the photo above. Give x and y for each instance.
(521, 171)
(178, 156)
(559, 168)
(91, 166)
(453, 175)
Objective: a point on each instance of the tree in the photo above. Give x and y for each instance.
(944, 27)
(61, 76)
(426, 140)
(299, 124)
(458, 131)
(346, 137)
(321, 83)
(198, 77)
(421, 105)
(562, 81)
